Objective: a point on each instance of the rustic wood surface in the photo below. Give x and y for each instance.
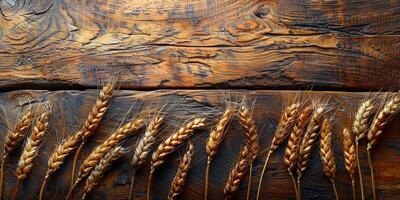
(71, 107)
(58, 44)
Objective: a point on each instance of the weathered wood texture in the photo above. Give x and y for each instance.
(344, 44)
(71, 107)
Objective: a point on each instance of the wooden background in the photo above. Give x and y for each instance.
(200, 52)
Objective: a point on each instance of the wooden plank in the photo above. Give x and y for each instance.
(71, 107)
(346, 45)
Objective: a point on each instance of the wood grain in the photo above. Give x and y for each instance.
(338, 45)
(71, 107)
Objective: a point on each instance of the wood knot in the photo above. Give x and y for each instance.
(262, 11)
(248, 25)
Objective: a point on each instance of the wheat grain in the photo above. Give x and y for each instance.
(94, 157)
(362, 119)
(103, 166)
(308, 141)
(13, 138)
(381, 120)
(326, 151)
(180, 178)
(238, 172)
(171, 143)
(31, 147)
(349, 153)
(217, 134)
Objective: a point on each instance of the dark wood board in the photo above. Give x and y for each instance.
(71, 107)
(285, 44)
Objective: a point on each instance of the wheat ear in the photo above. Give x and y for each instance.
(327, 156)
(349, 153)
(170, 144)
(307, 144)
(282, 131)
(180, 178)
(58, 157)
(213, 142)
(360, 128)
(94, 157)
(93, 120)
(31, 148)
(293, 145)
(13, 138)
(143, 147)
(102, 167)
(378, 125)
(238, 172)
(251, 137)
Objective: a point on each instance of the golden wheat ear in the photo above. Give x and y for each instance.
(31, 147)
(379, 123)
(180, 178)
(282, 132)
(349, 152)
(101, 168)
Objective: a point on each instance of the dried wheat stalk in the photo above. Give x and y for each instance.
(378, 125)
(180, 178)
(238, 172)
(103, 166)
(293, 146)
(143, 147)
(213, 142)
(13, 138)
(94, 157)
(349, 156)
(170, 144)
(308, 141)
(282, 131)
(326, 151)
(31, 148)
(251, 137)
(360, 128)
(93, 120)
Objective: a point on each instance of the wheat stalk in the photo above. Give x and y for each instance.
(326, 151)
(180, 178)
(31, 148)
(58, 157)
(170, 144)
(103, 166)
(213, 142)
(238, 172)
(360, 129)
(306, 146)
(93, 120)
(349, 156)
(251, 137)
(282, 131)
(94, 157)
(13, 138)
(293, 145)
(144, 146)
(378, 125)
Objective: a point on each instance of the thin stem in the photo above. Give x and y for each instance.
(353, 188)
(206, 180)
(249, 183)
(298, 188)
(371, 169)
(78, 151)
(132, 185)
(2, 177)
(262, 174)
(14, 196)
(294, 183)
(149, 185)
(334, 189)
(359, 172)
(42, 187)
(70, 191)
